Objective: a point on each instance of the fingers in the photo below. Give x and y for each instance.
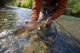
(48, 21)
(26, 21)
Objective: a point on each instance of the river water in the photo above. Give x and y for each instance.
(68, 40)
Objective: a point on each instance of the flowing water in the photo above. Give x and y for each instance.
(68, 40)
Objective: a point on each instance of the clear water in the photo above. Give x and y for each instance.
(12, 17)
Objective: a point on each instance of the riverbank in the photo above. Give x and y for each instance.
(72, 14)
(72, 9)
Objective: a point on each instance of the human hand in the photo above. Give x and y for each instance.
(48, 21)
(26, 21)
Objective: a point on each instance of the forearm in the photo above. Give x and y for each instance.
(60, 8)
(37, 5)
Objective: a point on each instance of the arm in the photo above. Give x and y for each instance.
(60, 8)
(37, 5)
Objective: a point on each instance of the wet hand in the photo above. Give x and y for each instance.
(48, 21)
(26, 21)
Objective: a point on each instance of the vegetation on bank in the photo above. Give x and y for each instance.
(18, 3)
(25, 4)
(5, 2)
(73, 7)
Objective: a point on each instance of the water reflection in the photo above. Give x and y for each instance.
(12, 17)
(71, 25)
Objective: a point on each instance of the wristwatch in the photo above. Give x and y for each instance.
(52, 16)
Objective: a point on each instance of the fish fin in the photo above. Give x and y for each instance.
(44, 25)
(44, 20)
(26, 32)
(38, 28)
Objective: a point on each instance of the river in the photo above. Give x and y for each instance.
(68, 40)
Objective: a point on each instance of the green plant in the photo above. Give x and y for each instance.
(23, 4)
(72, 7)
(4, 2)
(11, 4)
(29, 3)
(76, 8)
(18, 3)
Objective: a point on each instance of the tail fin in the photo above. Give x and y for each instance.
(26, 32)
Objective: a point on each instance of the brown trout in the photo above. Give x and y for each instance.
(25, 27)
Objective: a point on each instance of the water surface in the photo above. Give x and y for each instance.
(12, 17)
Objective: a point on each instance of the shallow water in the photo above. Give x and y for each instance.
(12, 17)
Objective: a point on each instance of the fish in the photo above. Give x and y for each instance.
(25, 27)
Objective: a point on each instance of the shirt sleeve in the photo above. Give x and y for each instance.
(37, 5)
(60, 8)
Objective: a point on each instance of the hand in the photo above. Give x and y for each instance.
(48, 21)
(26, 21)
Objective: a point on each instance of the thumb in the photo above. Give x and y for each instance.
(26, 21)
